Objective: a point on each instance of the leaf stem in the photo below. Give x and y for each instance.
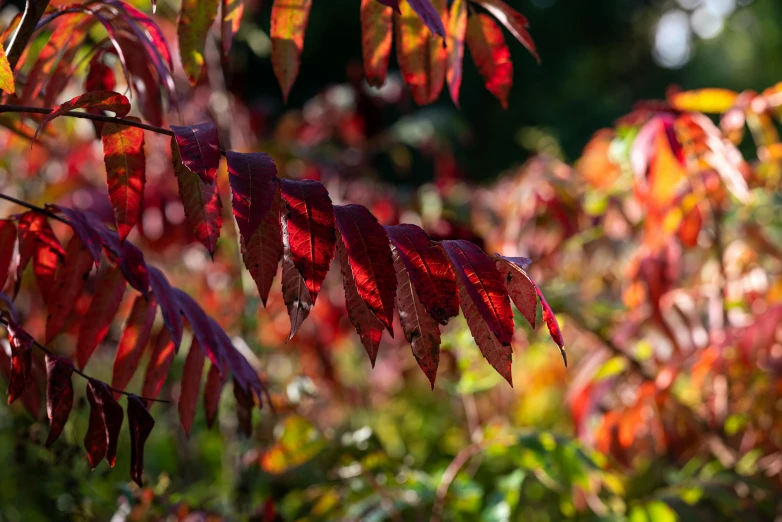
(47, 351)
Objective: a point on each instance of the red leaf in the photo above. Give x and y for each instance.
(134, 340)
(252, 177)
(34, 233)
(520, 287)
(484, 302)
(244, 409)
(163, 350)
(369, 254)
(101, 100)
(429, 12)
(45, 265)
(513, 21)
(491, 55)
(103, 307)
(294, 288)
(421, 330)
(288, 24)
(191, 384)
(212, 392)
(310, 227)
(141, 424)
(7, 241)
(83, 228)
(169, 307)
(195, 19)
(106, 417)
(421, 56)
(68, 284)
(231, 18)
(241, 369)
(367, 325)
(59, 394)
(457, 30)
(123, 153)
(377, 34)
(429, 270)
(203, 208)
(552, 324)
(261, 253)
(201, 325)
(21, 360)
(199, 148)
(100, 77)
(151, 37)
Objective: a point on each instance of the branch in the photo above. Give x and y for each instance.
(47, 351)
(33, 11)
(34, 208)
(448, 477)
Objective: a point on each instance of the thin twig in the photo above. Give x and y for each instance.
(47, 351)
(448, 477)
(34, 208)
(33, 11)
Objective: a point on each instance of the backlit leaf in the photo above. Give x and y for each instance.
(21, 360)
(141, 424)
(421, 55)
(369, 255)
(45, 265)
(553, 326)
(253, 185)
(68, 284)
(163, 351)
(456, 33)
(513, 21)
(6, 74)
(520, 287)
(195, 19)
(262, 252)
(294, 288)
(191, 385)
(134, 340)
(123, 154)
(288, 25)
(231, 18)
(203, 208)
(103, 307)
(199, 149)
(106, 417)
(377, 35)
(429, 13)
(491, 55)
(101, 100)
(59, 394)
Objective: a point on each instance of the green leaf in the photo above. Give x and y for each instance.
(195, 19)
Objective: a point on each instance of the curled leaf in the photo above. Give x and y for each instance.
(520, 287)
(553, 326)
(294, 288)
(99, 100)
(21, 360)
(106, 417)
(491, 55)
(141, 424)
(59, 394)
(513, 21)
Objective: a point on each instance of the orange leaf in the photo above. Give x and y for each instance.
(456, 32)
(102, 100)
(377, 34)
(491, 55)
(289, 22)
(513, 21)
(6, 74)
(421, 55)
(710, 100)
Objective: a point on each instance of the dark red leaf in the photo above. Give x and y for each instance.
(212, 392)
(253, 185)
(7, 241)
(552, 324)
(199, 148)
(203, 207)
(484, 302)
(369, 254)
(59, 394)
(520, 287)
(141, 424)
(21, 360)
(513, 21)
(244, 409)
(103, 307)
(106, 417)
(160, 360)
(201, 325)
(421, 330)
(101, 100)
(169, 307)
(294, 288)
(83, 228)
(241, 369)
(123, 154)
(312, 237)
(377, 34)
(134, 340)
(491, 55)
(191, 385)
(68, 285)
(367, 325)
(429, 270)
(261, 253)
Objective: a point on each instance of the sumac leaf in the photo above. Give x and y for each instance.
(34, 234)
(106, 417)
(484, 302)
(429, 270)
(100, 77)
(513, 21)
(141, 424)
(199, 149)
(169, 307)
(242, 371)
(288, 25)
(520, 287)
(101, 100)
(231, 18)
(421, 330)
(369, 254)
(212, 392)
(134, 340)
(203, 208)
(6, 74)
(456, 32)
(253, 186)
(83, 227)
(45, 265)
(103, 307)
(195, 19)
(421, 55)
(7, 242)
(201, 325)
(68, 285)
(21, 360)
(123, 153)
(311, 230)
(491, 55)
(59, 394)
(377, 35)
(191, 385)
(261, 253)
(160, 360)
(294, 288)
(367, 325)
(553, 326)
